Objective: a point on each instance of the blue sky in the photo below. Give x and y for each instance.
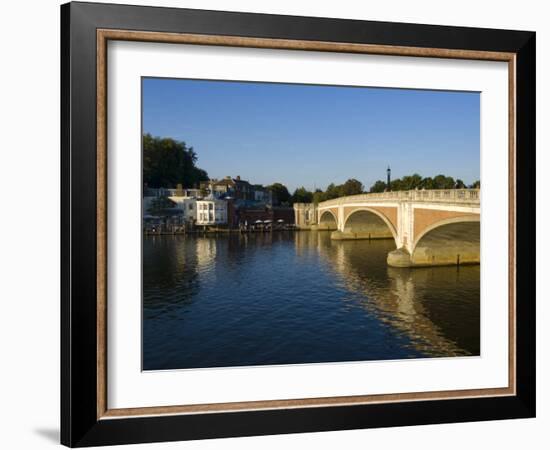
(314, 135)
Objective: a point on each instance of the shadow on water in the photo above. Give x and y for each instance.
(437, 307)
(287, 298)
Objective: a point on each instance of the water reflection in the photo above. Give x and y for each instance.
(286, 298)
(438, 307)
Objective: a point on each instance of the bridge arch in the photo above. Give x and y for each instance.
(328, 220)
(375, 224)
(449, 241)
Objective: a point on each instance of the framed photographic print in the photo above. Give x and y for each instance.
(276, 224)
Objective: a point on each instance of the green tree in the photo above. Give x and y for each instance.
(379, 186)
(475, 185)
(302, 195)
(415, 181)
(332, 191)
(427, 183)
(410, 182)
(397, 185)
(351, 187)
(167, 162)
(318, 196)
(443, 182)
(459, 184)
(280, 193)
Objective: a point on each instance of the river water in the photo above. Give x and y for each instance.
(298, 297)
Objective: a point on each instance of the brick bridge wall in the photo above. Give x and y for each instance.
(425, 218)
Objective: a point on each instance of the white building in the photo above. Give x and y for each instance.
(185, 205)
(188, 206)
(211, 211)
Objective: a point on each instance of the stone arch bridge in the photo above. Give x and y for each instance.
(429, 227)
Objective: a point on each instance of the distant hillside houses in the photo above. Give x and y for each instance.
(237, 189)
(229, 202)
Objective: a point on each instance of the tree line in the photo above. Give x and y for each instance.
(350, 187)
(168, 162)
(415, 181)
(302, 195)
(353, 187)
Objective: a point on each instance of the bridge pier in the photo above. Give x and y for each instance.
(399, 258)
(430, 258)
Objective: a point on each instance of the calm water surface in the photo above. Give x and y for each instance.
(298, 297)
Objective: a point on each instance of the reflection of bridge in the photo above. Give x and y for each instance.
(429, 227)
(425, 304)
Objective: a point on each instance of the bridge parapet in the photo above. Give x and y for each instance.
(463, 196)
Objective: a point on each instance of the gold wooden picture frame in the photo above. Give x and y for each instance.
(105, 35)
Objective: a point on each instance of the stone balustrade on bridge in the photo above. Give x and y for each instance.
(429, 227)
